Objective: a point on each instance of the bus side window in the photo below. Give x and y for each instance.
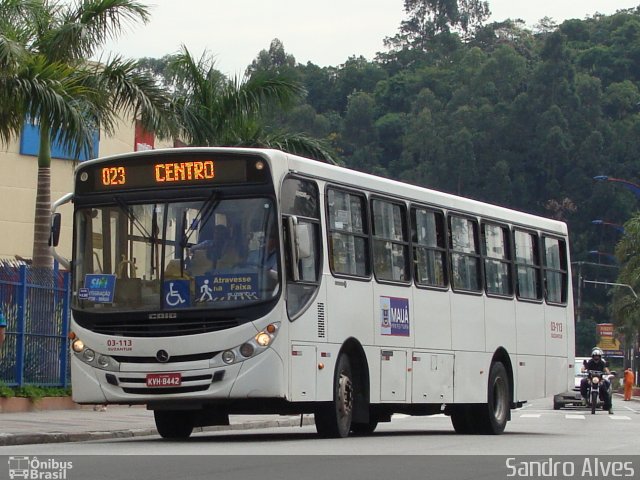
(429, 248)
(301, 222)
(465, 254)
(390, 241)
(527, 260)
(348, 233)
(497, 259)
(555, 270)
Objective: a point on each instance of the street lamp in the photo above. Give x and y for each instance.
(610, 256)
(633, 187)
(616, 226)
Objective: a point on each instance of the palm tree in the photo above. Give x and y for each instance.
(216, 111)
(46, 78)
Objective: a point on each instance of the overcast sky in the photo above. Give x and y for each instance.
(323, 32)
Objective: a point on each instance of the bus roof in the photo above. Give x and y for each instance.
(371, 183)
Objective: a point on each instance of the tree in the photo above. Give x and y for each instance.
(274, 60)
(429, 18)
(216, 111)
(46, 78)
(626, 306)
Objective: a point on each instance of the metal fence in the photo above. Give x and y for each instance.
(35, 302)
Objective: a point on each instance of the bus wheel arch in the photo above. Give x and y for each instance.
(501, 355)
(350, 404)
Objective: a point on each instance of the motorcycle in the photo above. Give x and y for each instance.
(595, 379)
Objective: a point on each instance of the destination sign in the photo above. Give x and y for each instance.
(139, 172)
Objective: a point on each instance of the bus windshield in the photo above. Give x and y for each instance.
(209, 253)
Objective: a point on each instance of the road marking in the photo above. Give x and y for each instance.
(574, 417)
(531, 415)
(619, 417)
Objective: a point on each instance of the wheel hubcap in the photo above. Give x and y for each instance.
(345, 395)
(499, 399)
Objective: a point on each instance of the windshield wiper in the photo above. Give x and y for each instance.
(126, 208)
(203, 215)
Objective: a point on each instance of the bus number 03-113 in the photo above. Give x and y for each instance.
(113, 176)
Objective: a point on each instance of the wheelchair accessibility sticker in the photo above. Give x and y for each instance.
(176, 294)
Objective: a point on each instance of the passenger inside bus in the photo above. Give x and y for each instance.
(221, 251)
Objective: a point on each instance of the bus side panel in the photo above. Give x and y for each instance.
(530, 328)
(555, 330)
(431, 323)
(349, 310)
(500, 321)
(557, 349)
(556, 381)
(530, 377)
(471, 377)
(467, 322)
(393, 316)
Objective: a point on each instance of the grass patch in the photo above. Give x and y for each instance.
(33, 392)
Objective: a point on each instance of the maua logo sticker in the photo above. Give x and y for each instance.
(394, 316)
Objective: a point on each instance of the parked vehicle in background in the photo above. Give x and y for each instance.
(572, 397)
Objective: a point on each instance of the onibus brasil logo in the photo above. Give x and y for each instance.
(35, 469)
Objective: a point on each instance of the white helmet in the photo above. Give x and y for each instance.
(596, 352)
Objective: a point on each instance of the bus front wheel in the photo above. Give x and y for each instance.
(174, 424)
(333, 419)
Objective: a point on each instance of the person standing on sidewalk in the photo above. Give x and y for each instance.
(629, 378)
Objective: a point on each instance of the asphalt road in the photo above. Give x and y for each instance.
(536, 429)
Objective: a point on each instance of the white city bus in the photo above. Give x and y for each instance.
(217, 281)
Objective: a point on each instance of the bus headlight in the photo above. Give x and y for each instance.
(249, 349)
(228, 357)
(90, 357)
(263, 339)
(77, 345)
(246, 350)
(103, 361)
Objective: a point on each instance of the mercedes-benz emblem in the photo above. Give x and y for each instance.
(162, 356)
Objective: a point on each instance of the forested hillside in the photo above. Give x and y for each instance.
(517, 116)
(508, 115)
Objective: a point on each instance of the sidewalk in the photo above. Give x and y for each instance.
(84, 424)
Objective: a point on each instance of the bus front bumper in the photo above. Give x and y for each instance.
(258, 377)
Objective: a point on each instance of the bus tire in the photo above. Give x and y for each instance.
(368, 428)
(174, 424)
(333, 419)
(462, 419)
(493, 416)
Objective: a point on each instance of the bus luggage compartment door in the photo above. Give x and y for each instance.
(431, 377)
(393, 375)
(303, 373)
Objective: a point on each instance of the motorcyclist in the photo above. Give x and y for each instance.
(596, 363)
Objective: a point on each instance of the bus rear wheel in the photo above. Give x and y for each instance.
(463, 419)
(365, 428)
(174, 424)
(333, 419)
(493, 416)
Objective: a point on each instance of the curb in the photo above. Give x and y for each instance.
(9, 439)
